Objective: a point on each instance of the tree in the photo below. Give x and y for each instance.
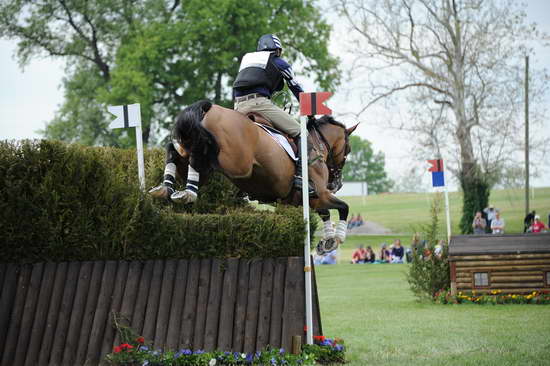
(457, 64)
(162, 54)
(363, 165)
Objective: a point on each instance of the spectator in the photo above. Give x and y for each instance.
(438, 249)
(479, 224)
(397, 252)
(328, 258)
(352, 222)
(370, 257)
(491, 214)
(497, 224)
(360, 221)
(417, 245)
(359, 255)
(384, 254)
(528, 220)
(537, 226)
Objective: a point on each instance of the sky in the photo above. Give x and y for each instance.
(30, 96)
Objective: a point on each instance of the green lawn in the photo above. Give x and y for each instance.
(372, 309)
(405, 212)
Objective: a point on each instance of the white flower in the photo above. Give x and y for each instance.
(212, 362)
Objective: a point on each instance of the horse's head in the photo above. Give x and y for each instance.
(337, 138)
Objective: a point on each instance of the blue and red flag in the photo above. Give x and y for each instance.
(438, 178)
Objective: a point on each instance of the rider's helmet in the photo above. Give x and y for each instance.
(269, 42)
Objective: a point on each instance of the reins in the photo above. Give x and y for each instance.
(334, 170)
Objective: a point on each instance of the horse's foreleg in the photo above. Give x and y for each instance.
(175, 163)
(190, 193)
(328, 229)
(329, 201)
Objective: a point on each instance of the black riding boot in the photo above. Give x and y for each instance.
(298, 174)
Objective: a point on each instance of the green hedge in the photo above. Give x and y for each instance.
(68, 202)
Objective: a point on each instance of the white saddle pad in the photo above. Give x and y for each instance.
(281, 140)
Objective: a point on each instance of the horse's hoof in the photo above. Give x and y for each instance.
(186, 196)
(161, 192)
(326, 245)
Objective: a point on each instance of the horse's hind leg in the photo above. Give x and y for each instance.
(175, 167)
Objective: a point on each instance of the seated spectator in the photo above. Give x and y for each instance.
(352, 222)
(370, 256)
(397, 252)
(537, 226)
(528, 220)
(479, 224)
(497, 224)
(384, 254)
(359, 255)
(330, 257)
(360, 221)
(438, 249)
(417, 245)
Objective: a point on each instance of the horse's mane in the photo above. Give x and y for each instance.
(329, 120)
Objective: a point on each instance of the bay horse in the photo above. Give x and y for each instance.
(213, 137)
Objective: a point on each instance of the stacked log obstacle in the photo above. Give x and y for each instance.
(510, 263)
(62, 313)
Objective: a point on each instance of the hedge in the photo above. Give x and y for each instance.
(63, 202)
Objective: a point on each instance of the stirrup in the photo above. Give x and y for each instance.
(298, 182)
(161, 191)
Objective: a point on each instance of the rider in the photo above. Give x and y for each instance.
(261, 73)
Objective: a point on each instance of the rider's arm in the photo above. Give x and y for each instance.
(288, 75)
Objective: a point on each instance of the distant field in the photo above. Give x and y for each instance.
(403, 213)
(371, 308)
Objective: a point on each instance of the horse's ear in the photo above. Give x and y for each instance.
(350, 130)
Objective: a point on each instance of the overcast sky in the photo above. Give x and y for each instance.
(29, 98)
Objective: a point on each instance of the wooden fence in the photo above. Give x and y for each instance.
(62, 313)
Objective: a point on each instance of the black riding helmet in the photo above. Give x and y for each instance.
(269, 42)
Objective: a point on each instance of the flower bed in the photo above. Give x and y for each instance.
(494, 297)
(137, 353)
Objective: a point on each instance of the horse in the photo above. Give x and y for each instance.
(210, 137)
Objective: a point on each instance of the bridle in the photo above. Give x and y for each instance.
(334, 169)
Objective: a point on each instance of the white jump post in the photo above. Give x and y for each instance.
(438, 180)
(130, 116)
(310, 104)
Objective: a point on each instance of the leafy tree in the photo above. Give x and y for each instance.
(161, 54)
(363, 165)
(458, 63)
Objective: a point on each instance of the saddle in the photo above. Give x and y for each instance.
(258, 118)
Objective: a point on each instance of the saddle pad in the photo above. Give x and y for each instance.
(281, 140)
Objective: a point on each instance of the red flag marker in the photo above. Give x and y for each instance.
(436, 165)
(312, 103)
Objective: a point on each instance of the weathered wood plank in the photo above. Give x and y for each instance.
(213, 307)
(266, 299)
(317, 324)
(506, 268)
(252, 307)
(536, 278)
(178, 301)
(62, 327)
(495, 263)
(138, 316)
(276, 326)
(10, 347)
(240, 307)
(499, 257)
(7, 298)
(3, 269)
(202, 302)
(130, 297)
(163, 316)
(229, 299)
(293, 321)
(151, 312)
(111, 335)
(190, 307)
(77, 313)
(89, 312)
(101, 316)
(41, 313)
(505, 290)
(29, 312)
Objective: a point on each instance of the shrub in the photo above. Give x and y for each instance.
(429, 272)
(68, 202)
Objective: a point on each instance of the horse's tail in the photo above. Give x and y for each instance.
(195, 138)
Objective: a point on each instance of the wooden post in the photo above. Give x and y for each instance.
(296, 345)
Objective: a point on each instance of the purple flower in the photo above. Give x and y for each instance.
(199, 352)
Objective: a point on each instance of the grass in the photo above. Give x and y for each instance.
(372, 309)
(404, 213)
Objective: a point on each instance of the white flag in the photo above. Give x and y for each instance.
(126, 115)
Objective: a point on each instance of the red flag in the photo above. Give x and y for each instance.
(312, 103)
(436, 165)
